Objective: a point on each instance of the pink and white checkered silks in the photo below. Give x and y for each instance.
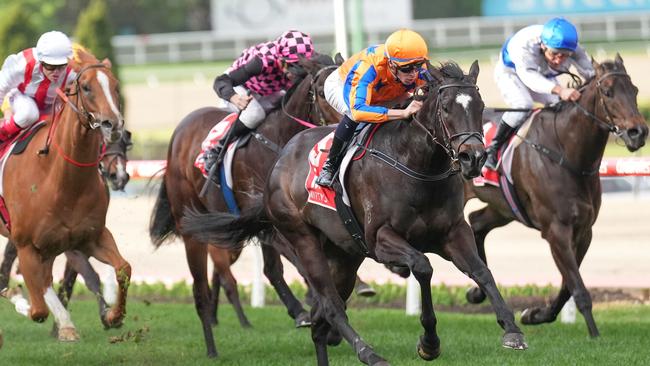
(288, 46)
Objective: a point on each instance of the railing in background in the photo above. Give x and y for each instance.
(440, 33)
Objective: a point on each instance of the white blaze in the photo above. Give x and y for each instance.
(463, 99)
(104, 82)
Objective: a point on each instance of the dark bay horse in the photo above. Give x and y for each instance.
(409, 203)
(560, 191)
(182, 184)
(57, 199)
(112, 168)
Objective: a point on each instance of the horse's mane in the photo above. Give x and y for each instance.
(451, 70)
(82, 56)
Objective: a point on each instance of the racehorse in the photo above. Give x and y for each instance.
(409, 200)
(182, 184)
(555, 175)
(56, 198)
(113, 169)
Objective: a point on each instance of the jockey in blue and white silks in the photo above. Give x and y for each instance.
(526, 73)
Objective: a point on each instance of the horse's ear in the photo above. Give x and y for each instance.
(107, 63)
(594, 63)
(618, 60)
(338, 59)
(473, 71)
(435, 73)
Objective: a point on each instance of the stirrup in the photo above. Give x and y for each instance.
(325, 178)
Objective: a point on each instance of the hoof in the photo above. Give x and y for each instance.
(514, 341)
(303, 320)
(368, 356)
(427, 352)
(113, 319)
(68, 335)
(334, 338)
(475, 295)
(246, 325)
(213, 354)
(365, 290)
(533, 316)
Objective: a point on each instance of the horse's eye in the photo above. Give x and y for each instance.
(85, 88)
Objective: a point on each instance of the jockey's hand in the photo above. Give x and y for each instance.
(569, 94)
(412, 108)
(240, 101)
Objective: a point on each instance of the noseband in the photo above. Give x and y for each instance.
(82, 111)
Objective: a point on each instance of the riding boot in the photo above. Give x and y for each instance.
(214, 154)
(326, 176)
(8, 129)
(504, 131)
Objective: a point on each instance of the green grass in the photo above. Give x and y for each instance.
(169, 334)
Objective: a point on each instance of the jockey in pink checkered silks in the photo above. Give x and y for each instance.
(256, 82)
(29, 80)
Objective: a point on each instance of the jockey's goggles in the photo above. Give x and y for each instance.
(407, 69)
(559, 52)
(49, 67)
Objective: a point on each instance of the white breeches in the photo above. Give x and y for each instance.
(333, 89)
(253, 115)
(517, 95)
(23, 108)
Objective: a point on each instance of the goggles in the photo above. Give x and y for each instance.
(407, 69)
(49, 67)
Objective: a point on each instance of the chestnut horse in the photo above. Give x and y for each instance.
(555, 174)
(60, 203)
(408, 199)
(113, 169)
(182, 184)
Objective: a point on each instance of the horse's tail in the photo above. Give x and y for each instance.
(225, 229)
(161, 225)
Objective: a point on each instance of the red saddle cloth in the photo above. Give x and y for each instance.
(216, 133)
(322, 196)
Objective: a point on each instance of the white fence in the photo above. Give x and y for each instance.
(440, 33)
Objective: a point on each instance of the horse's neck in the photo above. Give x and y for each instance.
(582, 140)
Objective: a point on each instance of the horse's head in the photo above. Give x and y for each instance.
(95, 94)
(311, 74)
(113, 164)
(453, 108)
(615, 95)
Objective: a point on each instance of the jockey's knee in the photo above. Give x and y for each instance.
(26, 112)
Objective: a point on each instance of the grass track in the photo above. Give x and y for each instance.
(170, 335)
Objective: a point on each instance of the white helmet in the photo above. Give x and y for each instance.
(54, 48)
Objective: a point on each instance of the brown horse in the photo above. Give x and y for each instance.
(55, 195)
(182, 184)
(555, 174)
(408, 198)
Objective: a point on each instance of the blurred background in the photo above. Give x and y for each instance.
(167, 52)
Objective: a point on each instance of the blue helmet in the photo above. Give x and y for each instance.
(559, 33)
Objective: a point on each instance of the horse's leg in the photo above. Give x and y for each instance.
(7, 262)
(34, 273)
(462, 251)
(482, 222)
(391, 248)
(364, 289)
(328, 301)
(197, 260)
(221, 259)
(78, 263)
(106, 252)
(216, 290)
(568, 262)
(65, 330)
(274, 271)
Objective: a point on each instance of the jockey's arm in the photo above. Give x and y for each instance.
(10, 76)
(224, 84)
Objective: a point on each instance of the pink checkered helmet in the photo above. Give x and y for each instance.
(292, 44)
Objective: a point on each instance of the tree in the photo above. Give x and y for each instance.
(17, 31)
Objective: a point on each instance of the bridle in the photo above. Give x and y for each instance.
(447, 137)
(608, 123)
(313, 103)
(114, 152)
(81, 110)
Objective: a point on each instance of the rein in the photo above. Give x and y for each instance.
(312, 101)
(82, 114)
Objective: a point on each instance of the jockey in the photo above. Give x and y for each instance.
(526, 72)
(367, 83)
(29, 80)
(256, 82)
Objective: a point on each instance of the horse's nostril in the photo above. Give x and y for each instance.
(633, 132)
(464, 157)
